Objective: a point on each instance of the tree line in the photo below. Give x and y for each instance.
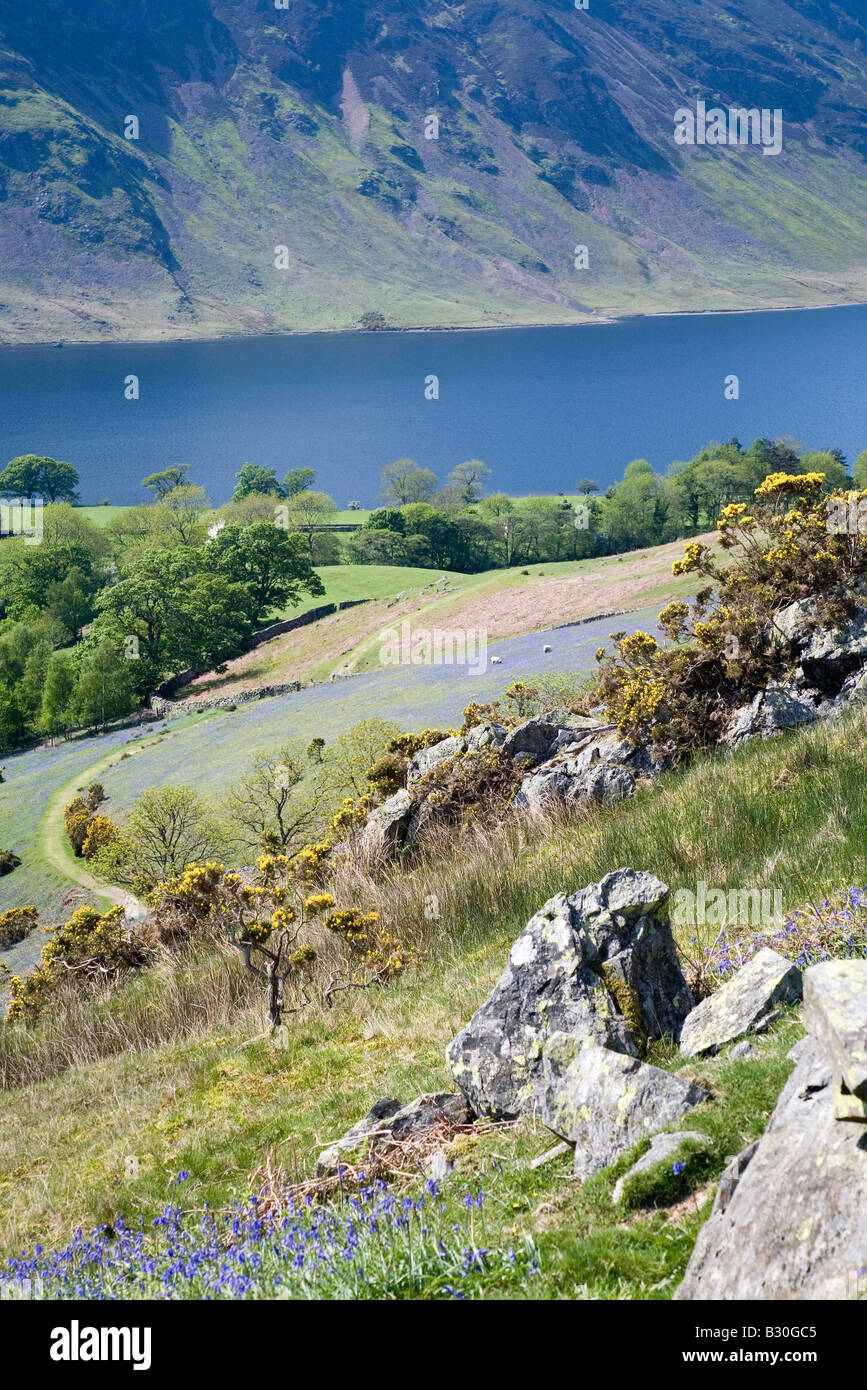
(93, 618)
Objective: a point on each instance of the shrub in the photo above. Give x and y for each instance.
(16, 925)
(268, 922)
(100, 832)
(8, 862)
(725, 650)
(388, 775)
(89, 951)
(476, 787)
(76, 818)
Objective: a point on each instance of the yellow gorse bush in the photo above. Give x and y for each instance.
(787, 547)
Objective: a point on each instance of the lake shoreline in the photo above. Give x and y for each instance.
(595, 320)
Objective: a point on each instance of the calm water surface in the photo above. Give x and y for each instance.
(542, 407)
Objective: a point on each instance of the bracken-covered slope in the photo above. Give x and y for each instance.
(305, 127)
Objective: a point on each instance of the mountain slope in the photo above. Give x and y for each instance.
(305, 128)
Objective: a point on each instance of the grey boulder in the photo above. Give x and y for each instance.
(835, 1012)
(531, 740)
(603, 1102)
(426, 759)
(600, 965)
(490, 734)
(792, 1223)
(743, 1004)
(387, 825)
(595, 765)
(774, 709)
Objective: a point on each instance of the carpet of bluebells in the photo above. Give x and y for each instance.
(835, 929)
(373, 1244)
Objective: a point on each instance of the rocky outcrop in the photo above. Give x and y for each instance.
(387, 825)
(490, 734)
(531, 741)
(599, 965)
(790, 1218)
(587, 765)
(426, 759)
(603, 1102)
(777, 708)
(391, 1123)
(835, 1013)
(743, 1004)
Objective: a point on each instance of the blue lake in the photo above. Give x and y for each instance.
(542, 407)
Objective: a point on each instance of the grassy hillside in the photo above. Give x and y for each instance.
(167, 1073)
(306, 129)
(503, 603)
(211, 752)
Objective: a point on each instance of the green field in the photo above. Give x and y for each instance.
(345, 582)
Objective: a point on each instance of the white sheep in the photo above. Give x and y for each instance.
(547, 649)
(496, 661)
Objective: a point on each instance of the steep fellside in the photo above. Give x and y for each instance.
(305, 128)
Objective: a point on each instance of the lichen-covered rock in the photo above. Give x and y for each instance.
(531, 740)
(390, 1122)
(663, 1149)
(387, 825)
(774, 709)
(833, 654)
(426, 759)
(835, 1012)
(568, 783)
(600, 965)
(490, 734)
(743, 1004)
(793, 1223)
(731, 1176)
(588, 764)
(603, 1102)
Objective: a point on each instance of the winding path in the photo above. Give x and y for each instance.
(53, 845)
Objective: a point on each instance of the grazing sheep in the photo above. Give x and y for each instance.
(546, 649)
(496, 661)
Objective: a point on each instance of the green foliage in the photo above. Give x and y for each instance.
(271, 564)
(16, 925)
(467, 480)
(165, 481)
(34, 475)
(271, 809)
(298, 480)
(89, 952)
(253, 478)
(403, 481)
(167, 829)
